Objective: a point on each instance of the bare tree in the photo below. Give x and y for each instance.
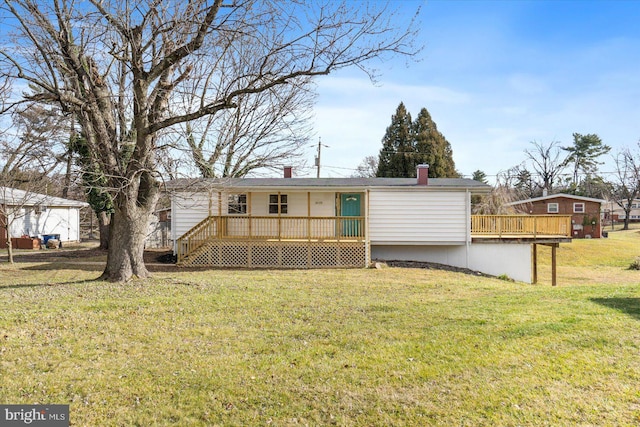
(547, 162)
(120, 66)
(37, 143)
(496, 202)
(512, 185)
(15, 205)
(265, 130)
(520, 182)
(368, 168)
(626, 185)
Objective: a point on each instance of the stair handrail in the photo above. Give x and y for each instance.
(197, 236)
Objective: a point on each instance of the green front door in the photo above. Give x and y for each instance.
(350, 206)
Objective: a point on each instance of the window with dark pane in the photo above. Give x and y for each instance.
(237, 204)
(278, 204)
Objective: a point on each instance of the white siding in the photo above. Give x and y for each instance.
(64, 221)
(418, 217)
(188, 209)
(323, 204)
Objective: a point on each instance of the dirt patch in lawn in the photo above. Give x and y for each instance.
(434, 266)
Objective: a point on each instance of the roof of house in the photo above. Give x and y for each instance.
(16, 197)
(334, 183)
(555, 196)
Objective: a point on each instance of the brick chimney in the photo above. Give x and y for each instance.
(423, 174)
(287, 171)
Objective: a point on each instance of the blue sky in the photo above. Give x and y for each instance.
(496, 75)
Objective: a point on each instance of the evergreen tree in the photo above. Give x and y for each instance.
(479, 176)
(407, 144)
(594, 186)
(584, 153)
(476, 200)
(432, 148)
(396, 155)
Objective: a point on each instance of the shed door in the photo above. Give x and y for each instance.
(350, 206)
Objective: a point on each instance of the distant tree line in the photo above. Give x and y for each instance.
(551, 168)
(547, 168)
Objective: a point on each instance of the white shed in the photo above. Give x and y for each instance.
(34, 215)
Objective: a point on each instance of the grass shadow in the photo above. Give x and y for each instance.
(54, 266)
(45, 285)
(630, 306)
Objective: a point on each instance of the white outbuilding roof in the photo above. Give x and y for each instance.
(16, 197)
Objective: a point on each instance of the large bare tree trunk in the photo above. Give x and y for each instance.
(104, 224)
(126, 247)
(127, 234)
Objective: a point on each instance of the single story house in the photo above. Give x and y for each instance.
(347, 222)
(613, 210)
(36, 215)
(585, 211)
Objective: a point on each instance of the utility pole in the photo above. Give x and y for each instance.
(320, 145)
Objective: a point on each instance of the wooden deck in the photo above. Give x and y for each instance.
(519, 238)
(324, 231)
(321, 242)
(525, 228)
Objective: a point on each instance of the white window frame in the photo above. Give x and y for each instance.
(576, 205)
(550, 210)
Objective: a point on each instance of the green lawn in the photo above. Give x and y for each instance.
(335, 347)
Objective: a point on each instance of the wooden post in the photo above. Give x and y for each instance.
(249, 215)
(220, 230)
(280, 217)
(337, 219)
(553, 264)
(534, 279)
(308, 216)
(367, 246)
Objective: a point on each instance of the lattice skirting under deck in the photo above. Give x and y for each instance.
(258, 254)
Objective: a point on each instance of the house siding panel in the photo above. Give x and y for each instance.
(54, 220)
(188, 209)
(418, 217)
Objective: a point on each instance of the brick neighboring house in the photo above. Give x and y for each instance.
(585, 211)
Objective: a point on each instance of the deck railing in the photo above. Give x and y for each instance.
(340, 228)
(521, 225)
